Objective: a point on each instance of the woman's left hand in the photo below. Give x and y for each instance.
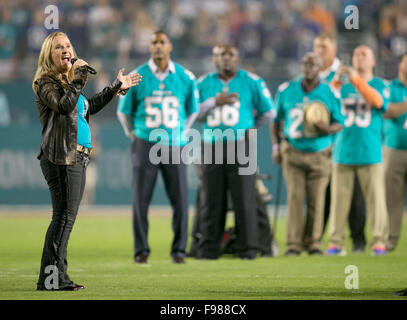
(129, 80)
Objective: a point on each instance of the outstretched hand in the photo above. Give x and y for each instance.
(129, 80)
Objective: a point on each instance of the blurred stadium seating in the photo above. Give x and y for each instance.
(271, 36)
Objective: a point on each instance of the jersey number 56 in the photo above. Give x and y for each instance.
(167, 115)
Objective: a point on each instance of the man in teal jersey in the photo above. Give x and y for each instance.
(305, 157)
(395, 152)
(326, 46)
(231, 102)
(161, 110)
(357, 150)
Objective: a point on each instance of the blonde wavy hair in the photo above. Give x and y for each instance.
(46, 65)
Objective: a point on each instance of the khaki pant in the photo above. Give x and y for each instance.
(395, 169)
(306, 175)
(371, 179)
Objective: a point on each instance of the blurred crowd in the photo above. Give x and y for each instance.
(119, 30)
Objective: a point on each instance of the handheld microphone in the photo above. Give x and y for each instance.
(90, 69)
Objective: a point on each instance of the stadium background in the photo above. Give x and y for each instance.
(271, 37)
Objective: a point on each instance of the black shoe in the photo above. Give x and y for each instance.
(292, 252)
(402, 293)
(247, 257)
(178, 260)
(315, 252)
(358, 248)
(266, 254)
(247, 254)
(141, 258)
(71, 287)
(41, 287)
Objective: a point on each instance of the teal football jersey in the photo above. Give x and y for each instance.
(328, 75)
(164, 105)
(360, 142)
(291, 100)
(395, 130)
(328, 79)
(253, 96)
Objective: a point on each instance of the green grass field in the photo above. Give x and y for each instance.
(100, 257)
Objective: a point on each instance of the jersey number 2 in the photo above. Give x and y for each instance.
(298, 117)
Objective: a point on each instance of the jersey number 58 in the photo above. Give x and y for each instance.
(227, 114)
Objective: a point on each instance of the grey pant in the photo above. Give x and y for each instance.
(371, 180)
(395, 167)
(306, 175)
(144, 178)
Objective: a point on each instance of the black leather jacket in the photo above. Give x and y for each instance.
(58, 114)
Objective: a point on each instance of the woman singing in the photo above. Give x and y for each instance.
(66, 145)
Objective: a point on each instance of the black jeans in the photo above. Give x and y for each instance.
(66, 185)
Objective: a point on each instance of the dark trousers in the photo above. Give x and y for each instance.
(66, 185)
(217, 179)
(143, 182)
(264, 232)
(263, 220)
(357, 214)
(199, 206)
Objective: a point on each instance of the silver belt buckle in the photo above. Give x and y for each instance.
(83, 149)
